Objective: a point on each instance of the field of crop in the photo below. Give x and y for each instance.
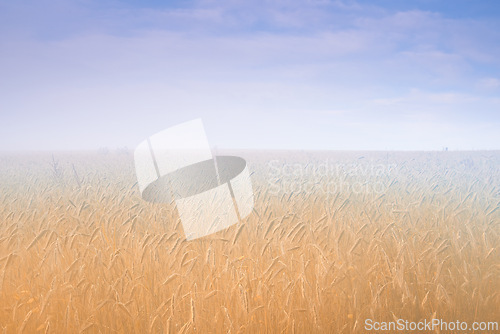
(335, 238)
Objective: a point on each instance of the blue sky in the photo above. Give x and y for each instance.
(311, 74)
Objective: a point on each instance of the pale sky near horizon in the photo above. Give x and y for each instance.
(265, 74)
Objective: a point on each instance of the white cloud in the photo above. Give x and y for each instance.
(489, 83)
(367, 69)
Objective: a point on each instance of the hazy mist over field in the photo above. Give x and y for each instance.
(268, 166)
(348, 75)
(336, 241)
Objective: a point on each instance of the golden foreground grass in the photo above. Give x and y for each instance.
(334, 239)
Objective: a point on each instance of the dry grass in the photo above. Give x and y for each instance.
(81, 252)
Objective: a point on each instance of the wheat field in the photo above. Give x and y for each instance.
(335, 238)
